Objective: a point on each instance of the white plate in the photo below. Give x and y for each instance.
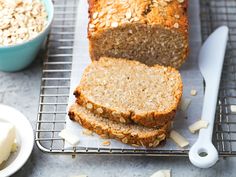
(25, 139)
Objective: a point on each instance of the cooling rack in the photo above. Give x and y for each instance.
(55, 83)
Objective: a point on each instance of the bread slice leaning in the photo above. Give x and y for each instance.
(131, 134)
(129, 91)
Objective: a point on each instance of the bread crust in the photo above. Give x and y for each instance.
(150, 119)
(128, 134)
(154, 118)
(155, 15)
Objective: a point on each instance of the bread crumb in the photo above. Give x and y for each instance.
(193, 92)
(106, 143)
(104, 136)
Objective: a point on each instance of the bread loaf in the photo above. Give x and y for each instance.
(128, 91)
(151, 31)
(129, 134)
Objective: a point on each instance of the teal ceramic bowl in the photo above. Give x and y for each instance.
(17, 57)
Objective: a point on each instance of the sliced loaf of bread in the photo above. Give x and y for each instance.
(129, 91)
(131, 134)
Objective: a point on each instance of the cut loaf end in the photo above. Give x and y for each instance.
(152, 32)
(150, 45)
(129, 91)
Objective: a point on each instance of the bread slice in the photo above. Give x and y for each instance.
(127, 91)
(131, 134)
(151, 31)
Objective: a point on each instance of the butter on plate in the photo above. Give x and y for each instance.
(7, 139)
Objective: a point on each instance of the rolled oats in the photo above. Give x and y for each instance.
(122, 120)
(100, 110)
(120, 135)
(125, 140)
(161, 137)
(115, 114)
(134, 134)
(136, 19)
(95, 15)
(163, 3)
(21, 21)
(177, 16)
(91, 26)
(156, 142)
(134, 145)
(87, 132)
(142, 143)
(114, 24)
(89, 106)
(128, 14)
(150, 144)
(176, 25)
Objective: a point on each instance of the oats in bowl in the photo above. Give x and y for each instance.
(24, 26)
(21, 21)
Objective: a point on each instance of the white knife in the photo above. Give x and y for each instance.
(203, 154)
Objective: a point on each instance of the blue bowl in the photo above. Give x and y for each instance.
(17, 57)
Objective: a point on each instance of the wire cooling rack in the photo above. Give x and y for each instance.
(55, 84)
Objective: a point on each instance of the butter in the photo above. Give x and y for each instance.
(7, 139)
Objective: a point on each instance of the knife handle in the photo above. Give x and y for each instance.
(203, 153)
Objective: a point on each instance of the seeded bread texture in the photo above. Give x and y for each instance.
(129, 134)
(151, 31)
(128, 91)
